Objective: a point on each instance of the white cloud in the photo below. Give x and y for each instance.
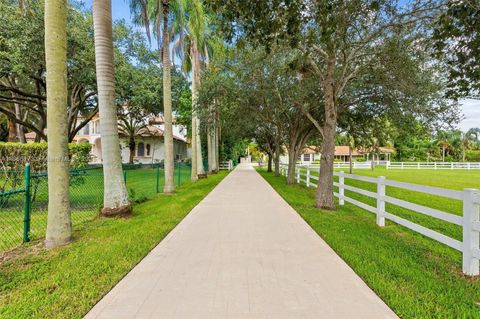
(471, 113)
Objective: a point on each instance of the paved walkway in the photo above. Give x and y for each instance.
(243, 252)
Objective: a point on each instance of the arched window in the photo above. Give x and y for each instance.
(141, 149)
(148, 149)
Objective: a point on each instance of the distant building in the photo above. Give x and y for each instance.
(342, 153)
(149, 143)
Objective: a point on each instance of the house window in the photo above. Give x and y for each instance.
(148, 149)
(306, 157)
(141, 149)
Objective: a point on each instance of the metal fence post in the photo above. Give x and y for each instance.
(341, 189)
(381, 201)
(26, 215)
(158, 176)
(471, 232)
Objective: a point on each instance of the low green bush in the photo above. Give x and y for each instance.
(14, 156)
(472, 155)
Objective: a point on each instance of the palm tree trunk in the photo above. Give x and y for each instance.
(210, 150)
(194, 125)
(217, 148)
(196, 65)
(59, 225)
(115, 192)
(169, 186)
(131, 147)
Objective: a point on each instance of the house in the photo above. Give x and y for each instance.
(149, 143)
(312, 154)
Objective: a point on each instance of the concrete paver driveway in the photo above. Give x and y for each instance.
(243, 252)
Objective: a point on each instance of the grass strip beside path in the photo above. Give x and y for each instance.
(416, 276)
(67, 282)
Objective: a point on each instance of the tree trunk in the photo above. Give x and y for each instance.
(217, 149)
(325, 181)
(277, 159)
(12, 131)
(115, 192)
(292, 161)
(270, 160)
(131, 146)
(20, 129)
(209, 150)
(443, 153)
(196, 78)
(59, 225)
(194, 170)
(169, 186)
(194, 125)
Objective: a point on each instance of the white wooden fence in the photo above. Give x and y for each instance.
(433, 165)
(227, 165)
(470, 221)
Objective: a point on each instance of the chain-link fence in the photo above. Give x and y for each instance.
(24, 197)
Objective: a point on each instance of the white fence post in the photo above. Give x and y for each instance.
(381, 201)
(341, 189)
(297, 170)
(435, 166)
(308, 175)
(471, 217)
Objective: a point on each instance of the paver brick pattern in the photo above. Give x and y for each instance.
(243, 252)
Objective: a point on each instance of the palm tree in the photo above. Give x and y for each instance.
(194, 40)
(132, 124)
(59, 225)
(158, 14)
(115, 192)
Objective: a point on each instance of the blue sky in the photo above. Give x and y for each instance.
(470, 108)
(120, 9)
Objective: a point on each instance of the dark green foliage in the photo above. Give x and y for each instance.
(457, 36)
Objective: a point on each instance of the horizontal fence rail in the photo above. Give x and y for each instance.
(433, 165)
(470, 221)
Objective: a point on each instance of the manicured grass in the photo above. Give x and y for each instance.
(417, 277)
(86, 197)
(67, 282)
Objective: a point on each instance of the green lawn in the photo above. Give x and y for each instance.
(67, 282)
(86, 197)
(417, 277)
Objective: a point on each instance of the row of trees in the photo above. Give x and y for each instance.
(364, 68)
(183, 23)
(444, 145)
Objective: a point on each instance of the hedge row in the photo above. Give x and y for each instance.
(14, 156)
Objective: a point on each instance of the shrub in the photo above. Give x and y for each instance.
(14, 156)
(472, 155)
